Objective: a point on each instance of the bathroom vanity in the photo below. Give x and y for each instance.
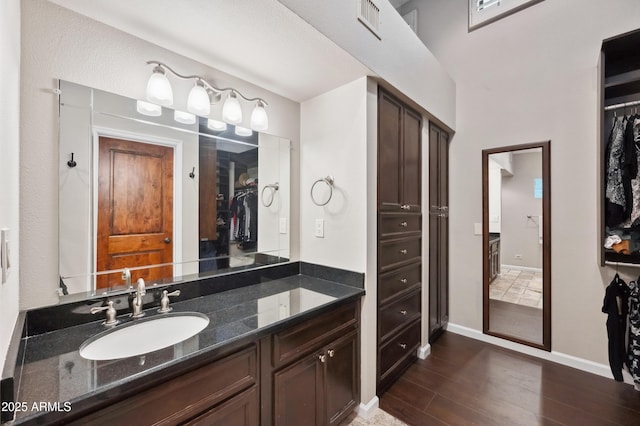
(282, 350)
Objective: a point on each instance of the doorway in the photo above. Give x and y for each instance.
(135, 210)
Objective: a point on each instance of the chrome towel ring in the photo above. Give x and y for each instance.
(273, 187)
(329, 181)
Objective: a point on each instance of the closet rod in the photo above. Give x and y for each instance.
(623, 105)
(631, 265)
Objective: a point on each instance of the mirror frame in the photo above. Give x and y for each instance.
(546, 242)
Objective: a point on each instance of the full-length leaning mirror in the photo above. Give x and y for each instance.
(516, 248)
(162, 196)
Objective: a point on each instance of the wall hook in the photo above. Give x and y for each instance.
(192, 175)
(71, 163)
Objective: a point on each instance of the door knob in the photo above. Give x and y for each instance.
(331, 353)
(167, 240)
(322, 358)
(403, 224)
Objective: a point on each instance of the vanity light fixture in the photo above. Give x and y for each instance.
(147, 108)
(202, 95)
(243, 131)
(184, 117)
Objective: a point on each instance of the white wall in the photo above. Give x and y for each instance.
(521, 213)
(57, 43)
(337, 133)
(9, 161)
(526, 78)
(399, 57)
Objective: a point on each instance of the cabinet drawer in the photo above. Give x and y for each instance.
(399, 348)
(399, 281)
(184, 396)
(398, 252)
(398, 314)
(241, 410)
(392, 224)
(313, 334)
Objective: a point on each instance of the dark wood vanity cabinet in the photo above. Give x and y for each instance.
(399, 237)
(494, 258)
(312, 370)
(222, 392)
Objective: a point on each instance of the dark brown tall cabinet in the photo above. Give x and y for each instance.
(438, 231)
(399, 237)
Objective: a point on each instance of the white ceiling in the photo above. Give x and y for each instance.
(260, 41)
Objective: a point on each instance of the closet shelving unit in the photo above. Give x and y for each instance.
(620, 95)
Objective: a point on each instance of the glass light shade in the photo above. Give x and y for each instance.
(147, 108)
(216, 125)
(243, 131)
(259, 119)
(159, 89)
(231, 110)
(198, 101)
(184, 117)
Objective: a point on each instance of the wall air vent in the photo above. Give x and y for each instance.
(369, 15)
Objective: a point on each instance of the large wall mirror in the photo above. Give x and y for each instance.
(516, 249)
(164, 195)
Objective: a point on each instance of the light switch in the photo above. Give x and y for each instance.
(319, 228)
(477, 229)
(283, 225)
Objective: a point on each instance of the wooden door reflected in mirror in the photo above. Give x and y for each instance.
(516, 249)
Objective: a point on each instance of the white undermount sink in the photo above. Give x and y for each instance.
(143, 336)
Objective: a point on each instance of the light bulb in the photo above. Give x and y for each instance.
(198, 100)
(147, 108)
(184, 117)
(259, 119)
(243, 131)
(231, 110)
(159, 89)
(216, 125)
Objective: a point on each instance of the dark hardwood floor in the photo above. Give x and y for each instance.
(465, 381)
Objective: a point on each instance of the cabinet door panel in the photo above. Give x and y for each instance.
(342, 378)
(389, 152)
(411, 172)
(298, 393)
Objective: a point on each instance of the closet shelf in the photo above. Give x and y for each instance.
(624, 78)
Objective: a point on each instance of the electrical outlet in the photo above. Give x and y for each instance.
(319, 228)
(283, 225)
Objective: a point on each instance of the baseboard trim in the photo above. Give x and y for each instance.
(521, 268)
(424, 351)
(366, 411)
(558, 357)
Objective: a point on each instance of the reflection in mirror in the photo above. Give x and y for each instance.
(516, 243)
(166, 197)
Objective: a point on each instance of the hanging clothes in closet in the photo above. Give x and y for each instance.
(622, 186)
(615, 305)
(633, 353)
(244, 221)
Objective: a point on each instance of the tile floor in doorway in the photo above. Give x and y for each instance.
(520, 287)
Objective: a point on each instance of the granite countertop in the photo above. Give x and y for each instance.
(51, 370)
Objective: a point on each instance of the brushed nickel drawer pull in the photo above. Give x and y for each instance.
(403, 280)
(403, 345)
(322, 358)
(404, 251)
(403, 312)
(404, 224)
(331, 353)
(405, 207)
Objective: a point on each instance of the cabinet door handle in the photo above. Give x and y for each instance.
(404, 224)
(322, 358)
(403, 251)
(403, 312)
(405, 207)
(403, 280)
(331, 353)
(402, 345)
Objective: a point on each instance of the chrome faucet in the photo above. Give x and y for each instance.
(126, 276)
(111, 313)
(136, 311)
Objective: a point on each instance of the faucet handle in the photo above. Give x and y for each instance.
(164, 301)
(111, 313)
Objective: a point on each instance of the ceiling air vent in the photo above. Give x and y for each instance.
(369, 15)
